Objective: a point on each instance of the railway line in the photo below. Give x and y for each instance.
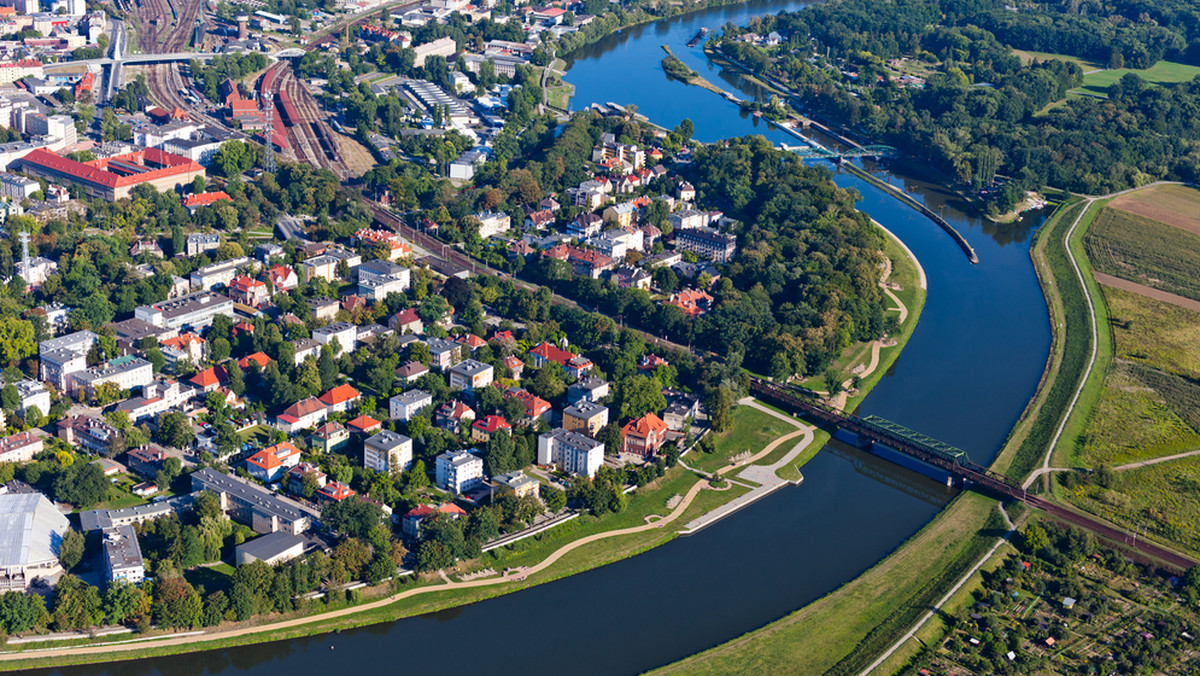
(301, 121)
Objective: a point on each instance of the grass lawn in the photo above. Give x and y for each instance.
(847, 628)
(1162, 73)
(752, 430)
(1028, 57)
(259, 435)
(1150, 331)
(217, 576)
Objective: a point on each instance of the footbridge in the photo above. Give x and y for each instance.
(879, 432)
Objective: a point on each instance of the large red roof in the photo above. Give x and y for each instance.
(97, 172)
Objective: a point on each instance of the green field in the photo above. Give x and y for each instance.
(1136, 248)
(1028, 57)
(751, 432)
(1161, 73)
(1152, 332)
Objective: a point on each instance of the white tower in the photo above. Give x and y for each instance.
(268, 110)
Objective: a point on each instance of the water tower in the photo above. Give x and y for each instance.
(243, 30)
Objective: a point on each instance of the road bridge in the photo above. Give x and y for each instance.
(953, 461)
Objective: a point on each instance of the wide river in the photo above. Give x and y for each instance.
(965, 376)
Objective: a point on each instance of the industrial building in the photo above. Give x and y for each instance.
(112, 178)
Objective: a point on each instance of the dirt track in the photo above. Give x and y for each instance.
(1148, 292)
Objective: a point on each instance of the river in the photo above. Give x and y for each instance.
(964, 377)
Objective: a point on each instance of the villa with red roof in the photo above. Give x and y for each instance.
(406, 321)
(483, 428)
(302, 415)
(575, 365)
(203, 199)
(334, 491)
(184, 346)
(450, 414)
(282, 277)
(252, 292)
(209, 379)
(410, 523)
(364, 424)
(340, 398)
(693, 303)
(259, 358)
(515, 367)
(644, 436)
(272, 462)
(535, 406)
(112, 178)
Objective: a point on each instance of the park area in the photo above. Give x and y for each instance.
(1149, 397)
(1161, 73)
(750, 433)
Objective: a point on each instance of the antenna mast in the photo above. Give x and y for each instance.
(268, 98)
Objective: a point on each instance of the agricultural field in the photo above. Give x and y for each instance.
(1161, 73)
(1146, 251)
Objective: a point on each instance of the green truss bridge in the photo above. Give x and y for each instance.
(823, 153)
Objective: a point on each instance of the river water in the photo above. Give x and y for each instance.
(964, 377)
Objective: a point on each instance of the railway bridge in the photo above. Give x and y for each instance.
(954, 462)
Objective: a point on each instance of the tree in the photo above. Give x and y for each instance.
(10, 399)
(175, 430)
(612, 438)
(720, 409)
(554, 498)
(327, 368)
(17, 340)
(499, 453)
(21, 612)
(352, 517)
(82, 484)
(1034, 538)
(177, 605)
(125, 603)
(76, 604)
(639, 395)
(309, 485)
(70, 551)
(353, 554)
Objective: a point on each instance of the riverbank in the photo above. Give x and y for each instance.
(680, 71)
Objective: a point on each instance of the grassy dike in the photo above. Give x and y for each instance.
(843, 632)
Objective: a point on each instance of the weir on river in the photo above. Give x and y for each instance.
(964, 377)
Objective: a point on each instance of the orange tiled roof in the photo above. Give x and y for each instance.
(339, 395)
(645, 425)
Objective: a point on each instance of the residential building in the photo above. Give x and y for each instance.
(535, 406)
(408, 404)
(330, 437)
(252, 292)
(295, 477)
(588, 388)
(644, 436)
(305, 348)
(123, 373)
(364, 424)
(483, 428)
(585, 226)
(158, 396)
(630, 277)
(217, 274)
(575, 365)
(459, 471)
(470, 375)
(388, 452)
(585, 417)
(195, 311)
(61, 357)
(517, 483)
(344, 333)
(688, 219)
(340, 399)
(334, 491)
(621, 215)
(707, 244)
(323, 309)
(380, 288)
(680, 407)
(17, 188)
(20, 447)
(194, 201)
(185, 346)
(442, 353)
(410, 523)
(145, 460)
(209, 379)
(91, 433)
(493, 223)
(693, 303)
(282, 277)
(411, 371)
(302, 415)
(32, 395)
(452, 413)
(406, 321)
(320, 267)
(198, 244)
(123, 555)
(539, 220)
(271, 549)
(259, 508)
(269, 464)
(33, 530)
(570, 451)
(514, 366)
(99, 519)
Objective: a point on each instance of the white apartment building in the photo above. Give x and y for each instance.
(125, 373)
(61, 357)
(345, 334)
(408, 404)
(459, 471)
(571, 451)
(217, 274)
(470, 375)
(388, 452)
(194, 311)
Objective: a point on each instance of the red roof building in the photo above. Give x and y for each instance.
(334, 491)
(302, 415)
(535, 406)
(515, 366)
(112, 178)
(282, 277)
(200, 199)
(210, 378)
(340, 398)
(644, 435)
(575, 365)
(483, 428)
(243, 327)
(252, 292)
(259, 358)
(410, 523)
(406, 321)
(693, 303)
(365, 424)
(270, 463)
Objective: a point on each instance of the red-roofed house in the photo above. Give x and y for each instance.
(575, 365)
(535, 406)
(201, 199)
(364, 424)
(295, 477)
(340, 398)
(406, 321)
(410, 523)
(209, 379)
(301, 415)
(450, 414)
(693, 303)
(112, 178)
(472, 341)
(252, 292)
(270, 463)
(259, 358)
(185, 346)
(282, 277)
(334, 491)
(515, 367)
(483, 428)
(651, 362)
(644, 435)
(243, 327)
(329, 437)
